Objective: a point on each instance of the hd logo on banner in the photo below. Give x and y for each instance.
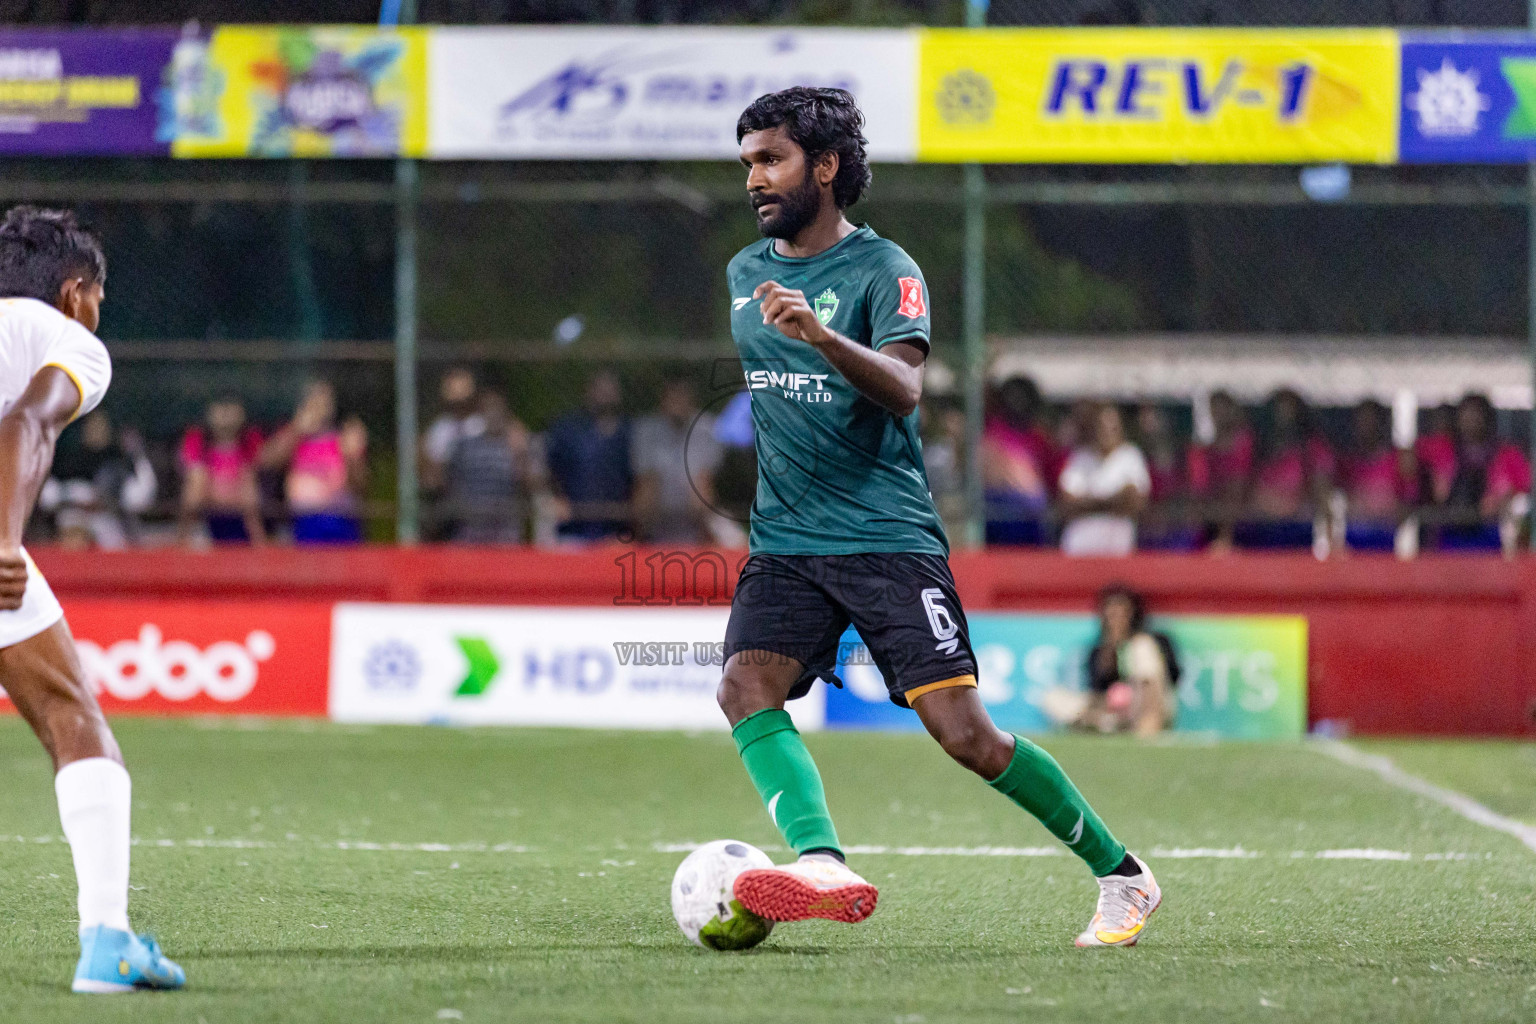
(1158, 96)
(1244, 676)
(1468, 100)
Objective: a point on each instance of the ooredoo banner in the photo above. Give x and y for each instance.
(638, 93)
(84, 92)
(1158, 95)
(224, 658)
(596, 667)
(1244, 676)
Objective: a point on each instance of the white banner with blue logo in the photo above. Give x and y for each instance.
(620, 668)
(652, 93)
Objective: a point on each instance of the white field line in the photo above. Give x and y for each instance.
(1462, 804)
(353, 845)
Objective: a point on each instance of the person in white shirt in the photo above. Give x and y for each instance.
(1104, 487)
(53, 370)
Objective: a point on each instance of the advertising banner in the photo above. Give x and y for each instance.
(649, 93)
(82, 92)
(223, 658)
(593, 667)
(1244, 676)
(1158, 96)
(302, 91)
(1470, 100)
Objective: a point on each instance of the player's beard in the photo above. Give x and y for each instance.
(797, 208)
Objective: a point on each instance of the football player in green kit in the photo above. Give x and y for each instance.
(831, 321)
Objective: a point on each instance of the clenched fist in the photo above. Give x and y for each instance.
(13, 579)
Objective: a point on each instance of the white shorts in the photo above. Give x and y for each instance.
(39, 609)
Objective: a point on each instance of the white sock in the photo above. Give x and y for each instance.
(95, 797)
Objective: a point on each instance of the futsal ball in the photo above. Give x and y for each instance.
(703, 900)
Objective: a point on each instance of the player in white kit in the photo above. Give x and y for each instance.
(53, 370)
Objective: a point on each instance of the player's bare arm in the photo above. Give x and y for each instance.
(28, 433)
(891, 377)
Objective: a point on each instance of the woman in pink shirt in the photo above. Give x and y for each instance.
(1292, 480)
(1490, 472)
(1380, 481)
(1019, 464)
(218, 462)
(1219, 473)
(326, 469)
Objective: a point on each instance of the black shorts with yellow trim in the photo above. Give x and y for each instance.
(904, 606)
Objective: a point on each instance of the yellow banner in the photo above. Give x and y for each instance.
(303, 91)
(1158, 96)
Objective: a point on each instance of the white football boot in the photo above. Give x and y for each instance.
(1126, 904)
(818, 885)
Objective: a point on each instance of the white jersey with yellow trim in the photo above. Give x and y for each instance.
(33, 335)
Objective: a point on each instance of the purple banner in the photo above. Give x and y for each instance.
(84, 92)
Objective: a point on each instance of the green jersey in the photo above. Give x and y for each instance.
(837, 474)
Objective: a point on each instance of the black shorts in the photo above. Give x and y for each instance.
(903, 605)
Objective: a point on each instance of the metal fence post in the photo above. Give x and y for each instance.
(973, 325)
(407, 190)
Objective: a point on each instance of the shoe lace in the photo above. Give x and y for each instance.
(1124, 902)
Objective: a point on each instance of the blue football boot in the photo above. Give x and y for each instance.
(113, 960)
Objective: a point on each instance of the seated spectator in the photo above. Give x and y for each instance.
(1378, 481)
(1220, 470)
(459, 396)
(483, 477)
(943, 425)
(325, 469)
(1490, 474)
(674, 458)
(1132, 671)
(218, 465)
(1292, 481)
(588, 454)
(99, 485)
(1019, 464)
(1435, 453)
(1164, 526)
(1103, 489)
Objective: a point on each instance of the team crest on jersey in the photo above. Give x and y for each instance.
(826, 306)
(912, 305)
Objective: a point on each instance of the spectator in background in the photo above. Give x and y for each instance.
(943, 425)
(1163, 527)
(588, 454)
(1292, 481)
(1104, 488)
(325, 469)
(1378, 480)
(1220, 468)
(1490, 474)
(1019, 464)
(1435, 453)
(1132, 671)
(674, 458)
(218, 465)
(461, 417)
(484, 474)
(99, 485)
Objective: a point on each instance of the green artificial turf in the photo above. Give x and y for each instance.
(549, 902)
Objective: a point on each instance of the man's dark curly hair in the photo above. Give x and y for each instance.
(819, 121)
(40, 249)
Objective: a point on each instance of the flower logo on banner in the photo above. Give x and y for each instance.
(1448, 102)
(323, 91)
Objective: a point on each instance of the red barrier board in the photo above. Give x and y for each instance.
(214, 658)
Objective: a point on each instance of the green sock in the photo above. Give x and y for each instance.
(1036, 783)
(786, 778)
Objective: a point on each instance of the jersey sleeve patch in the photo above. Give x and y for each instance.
(912, 305)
